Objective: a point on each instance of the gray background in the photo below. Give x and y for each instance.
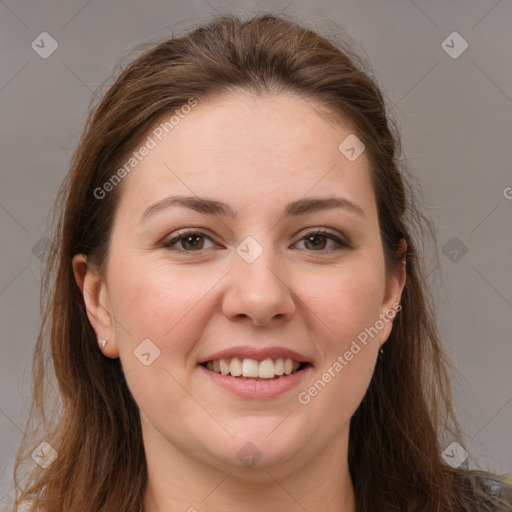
(455, 119)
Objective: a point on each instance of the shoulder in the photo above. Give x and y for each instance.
(490, 488)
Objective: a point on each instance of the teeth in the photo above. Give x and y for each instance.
(235, 368)
(266, 369)
(224, 367)
(251, 368)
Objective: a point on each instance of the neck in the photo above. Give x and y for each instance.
(179, 482)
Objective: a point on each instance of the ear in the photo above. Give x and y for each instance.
(394, 286)
(97, 304)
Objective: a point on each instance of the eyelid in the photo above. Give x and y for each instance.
(183, 233)
(343, 243)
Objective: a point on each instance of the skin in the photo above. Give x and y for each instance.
(255, 154)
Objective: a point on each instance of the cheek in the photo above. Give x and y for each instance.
(158, 301)
(344, 313)
(347, 302)
(166, 305)
(344, 309)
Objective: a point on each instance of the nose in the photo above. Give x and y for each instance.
(258, 291)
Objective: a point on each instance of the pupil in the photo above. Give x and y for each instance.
(188, 240)
(313, 237)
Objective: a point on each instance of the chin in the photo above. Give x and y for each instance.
(256, 450)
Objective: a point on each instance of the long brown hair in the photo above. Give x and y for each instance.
(93, 423)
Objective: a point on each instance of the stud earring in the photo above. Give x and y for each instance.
(102, 343)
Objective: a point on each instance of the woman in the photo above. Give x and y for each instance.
(238, 315)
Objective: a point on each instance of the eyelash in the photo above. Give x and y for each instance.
(181, 235)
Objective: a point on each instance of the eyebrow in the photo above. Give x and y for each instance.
(213, 207)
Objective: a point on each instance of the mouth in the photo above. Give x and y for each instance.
(255, 370)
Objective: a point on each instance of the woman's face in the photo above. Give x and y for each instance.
(248, 278)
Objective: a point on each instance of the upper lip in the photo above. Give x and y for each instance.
(256, 353)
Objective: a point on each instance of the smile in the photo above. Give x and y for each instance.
(256, 379)
(253, 369)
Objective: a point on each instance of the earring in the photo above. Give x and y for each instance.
(102, 343)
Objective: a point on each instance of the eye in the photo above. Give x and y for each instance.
(193, 241)
(189, 241)
(318, 240)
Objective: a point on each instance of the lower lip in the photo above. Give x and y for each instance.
(257, 389)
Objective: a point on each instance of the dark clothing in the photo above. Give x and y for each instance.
(493, 488)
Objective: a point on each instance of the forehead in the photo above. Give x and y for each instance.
(247, 147)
